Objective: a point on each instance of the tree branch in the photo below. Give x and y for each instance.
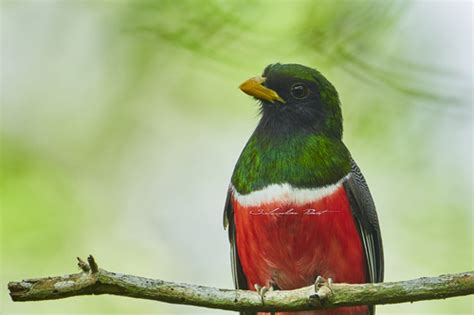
(93, 280)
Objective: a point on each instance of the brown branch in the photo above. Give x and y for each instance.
(98, 281)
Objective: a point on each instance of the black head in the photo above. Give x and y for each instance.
(296, 98)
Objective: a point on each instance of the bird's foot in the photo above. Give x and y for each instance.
(321, 282)
(322, 288)
(262, 290)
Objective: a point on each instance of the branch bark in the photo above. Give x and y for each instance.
(93, 280)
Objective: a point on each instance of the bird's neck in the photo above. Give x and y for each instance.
(276, 125)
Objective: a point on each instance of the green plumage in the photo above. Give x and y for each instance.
(304, 161)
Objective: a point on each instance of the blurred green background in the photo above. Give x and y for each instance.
(121, 122)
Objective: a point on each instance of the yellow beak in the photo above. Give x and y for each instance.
(254, 87)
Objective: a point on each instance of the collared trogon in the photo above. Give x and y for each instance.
(298, 206)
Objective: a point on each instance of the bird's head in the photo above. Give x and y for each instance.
(295, 98)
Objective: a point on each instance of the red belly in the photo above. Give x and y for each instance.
(289, 245)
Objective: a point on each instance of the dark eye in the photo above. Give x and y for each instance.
(299, 90)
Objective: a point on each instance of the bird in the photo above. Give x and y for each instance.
(298, 208)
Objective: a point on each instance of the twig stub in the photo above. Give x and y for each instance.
(83, 265)
(92, 264)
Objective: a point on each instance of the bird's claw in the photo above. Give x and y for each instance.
(322, 288)
(262, 290)
(321, 282)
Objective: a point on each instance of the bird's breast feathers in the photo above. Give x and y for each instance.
(288, 235)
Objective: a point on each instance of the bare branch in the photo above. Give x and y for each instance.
(98, 281)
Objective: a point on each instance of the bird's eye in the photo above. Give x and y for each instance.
(299, 90)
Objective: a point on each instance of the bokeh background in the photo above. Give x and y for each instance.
(121, 122)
